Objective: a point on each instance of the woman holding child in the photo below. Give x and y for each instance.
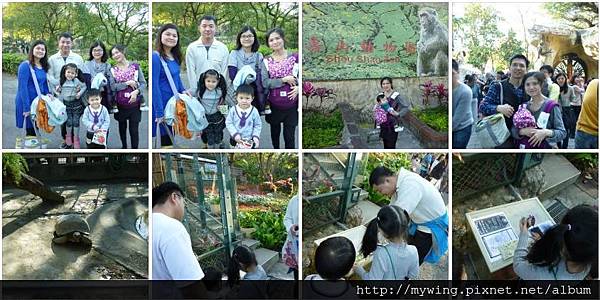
(538, 123)
(391, 103)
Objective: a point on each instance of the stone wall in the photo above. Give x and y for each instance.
(361, 94)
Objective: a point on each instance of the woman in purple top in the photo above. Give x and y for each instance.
(280, 79)
(26, 92)
(127, 82)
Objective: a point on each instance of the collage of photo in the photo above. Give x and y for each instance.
(299, 150)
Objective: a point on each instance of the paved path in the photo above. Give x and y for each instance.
(406, 139)
(10, 131)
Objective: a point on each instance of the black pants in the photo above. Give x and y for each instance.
(575, 115)
(134, 116)
(567, 117)
(289, 118)
(423, 242)
(389, 136)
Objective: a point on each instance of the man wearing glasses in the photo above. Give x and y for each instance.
(172, 255)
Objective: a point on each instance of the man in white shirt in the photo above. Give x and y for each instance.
(422, 202)
(57, 61)
(205, 53)
(172, 254)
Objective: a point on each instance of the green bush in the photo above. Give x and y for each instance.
(436, 118)
(270, 231)
(11, 61)
(392, 161)
(321, 130)
(14, 166)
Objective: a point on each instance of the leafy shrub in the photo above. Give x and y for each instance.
(392, 161)
(436, 118)
(583, 161)
(11, 61)
(270, 231)
(321, 130)
(13, 165)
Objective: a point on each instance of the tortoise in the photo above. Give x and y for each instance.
(72, 228)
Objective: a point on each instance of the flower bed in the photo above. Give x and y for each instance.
(436, 118)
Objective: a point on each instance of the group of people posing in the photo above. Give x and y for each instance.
(226, 90)
(76, 93)
(541, 109)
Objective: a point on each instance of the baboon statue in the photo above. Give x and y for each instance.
(432, 47)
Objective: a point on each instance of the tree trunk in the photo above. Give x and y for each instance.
(36, 187)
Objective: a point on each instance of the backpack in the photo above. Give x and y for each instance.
(523, 142)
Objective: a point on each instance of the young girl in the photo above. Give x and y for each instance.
(244, 259)
(567, 251)
(96, 120)
(243, 121)
(395, 261)
(70, 92)
(212, 90)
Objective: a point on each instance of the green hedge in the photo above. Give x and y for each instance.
(11, 61)
(436, 118)
(320, 130)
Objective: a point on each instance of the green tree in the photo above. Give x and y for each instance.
(230, 18)
(577, 14)
(510, 46)
(479, 29)
(122, 23)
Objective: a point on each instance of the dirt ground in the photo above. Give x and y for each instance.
(28, 225)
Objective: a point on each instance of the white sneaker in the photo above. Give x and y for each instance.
(399, 129)
(144, 108)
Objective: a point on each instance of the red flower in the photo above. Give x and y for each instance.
(389, 47)
(315, 46)
(341, 46)
(367, 46)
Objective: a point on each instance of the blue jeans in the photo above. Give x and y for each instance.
(585, 140)
(460, 138)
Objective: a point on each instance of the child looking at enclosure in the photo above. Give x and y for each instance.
(212, 90)
(243, 258)
(333, 260)
(96, 120)
(243, 121)
(395, 261)
(70, 91)
(567, 251)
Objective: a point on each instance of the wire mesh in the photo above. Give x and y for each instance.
(481, 172)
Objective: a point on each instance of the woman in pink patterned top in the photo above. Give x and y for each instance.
(280, 79)
(127, 82)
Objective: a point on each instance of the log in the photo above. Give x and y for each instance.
(38, 188)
